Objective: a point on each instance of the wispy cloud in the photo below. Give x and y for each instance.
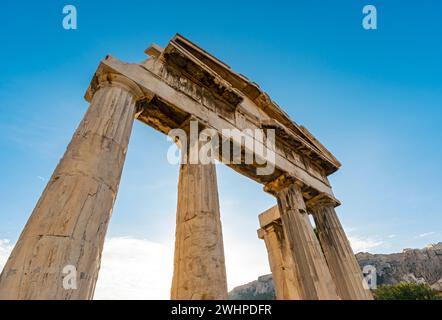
(426, 234)
(5, 250)
(364, 244)
(134, 269)
(141, 269)
(130, 269)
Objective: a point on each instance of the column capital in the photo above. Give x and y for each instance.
(108, 79)
(280, 183)
(269, 221)
(269, 216)
(321, 201)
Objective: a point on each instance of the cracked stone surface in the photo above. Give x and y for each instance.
(69, 222)
(313, 274)
(199, 267)
(339, 255)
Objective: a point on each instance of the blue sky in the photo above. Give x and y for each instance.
(374, 98)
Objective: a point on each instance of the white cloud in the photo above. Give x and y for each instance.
(426, 234)
(141, 269)
(5, 250)
(360, 244)
(134, 269)
(130, 269)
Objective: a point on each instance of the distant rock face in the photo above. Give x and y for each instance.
(412, 265)
(416, 265)
(261, 289)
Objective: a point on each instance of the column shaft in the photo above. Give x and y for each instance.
(283, 269)
(339, 255)
(199, 267)
(312, 271)
(69, 222)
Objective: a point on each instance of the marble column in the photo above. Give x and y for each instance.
(315, 281)
(338, 253)
(281, 264)
(58, 253)
(199, 266)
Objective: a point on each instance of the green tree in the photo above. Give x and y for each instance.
(406, 291)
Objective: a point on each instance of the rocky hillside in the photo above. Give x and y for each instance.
(418, 265)
(261, 289)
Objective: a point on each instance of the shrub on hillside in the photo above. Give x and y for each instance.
(406, 291)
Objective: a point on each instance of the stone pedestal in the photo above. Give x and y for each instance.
(199, 267)
(315, 281)
(65, 233)
(339, 255)
(281, 263)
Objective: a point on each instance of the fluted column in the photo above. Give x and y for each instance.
(64, 235)
(281, 264)
(338, 253)
(199, 266)
(315, 281)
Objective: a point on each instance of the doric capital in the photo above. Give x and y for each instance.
(269, 221)
(108, 79)
(260, 233)
(269, 216)
(273, 228)
(321, 201)
(280, 183)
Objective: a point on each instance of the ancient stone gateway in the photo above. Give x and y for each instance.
(174, 86)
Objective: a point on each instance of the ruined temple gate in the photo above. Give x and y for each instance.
(174, 85)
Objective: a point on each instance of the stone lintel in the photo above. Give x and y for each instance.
(154, 50)
(157, 89)
(176, 56)
(304, 141)
(304, 144)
